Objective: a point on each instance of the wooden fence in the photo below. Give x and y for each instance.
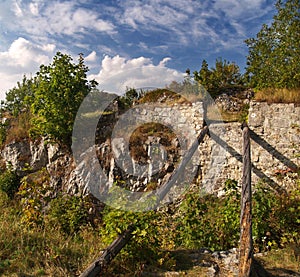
(248, 266)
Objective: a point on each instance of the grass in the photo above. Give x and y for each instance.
(41, 251)
(162, 96)
(19, 128)
(216, 114)
(281, 262)
(278, 95)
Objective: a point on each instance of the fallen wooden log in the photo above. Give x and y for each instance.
(100, 263)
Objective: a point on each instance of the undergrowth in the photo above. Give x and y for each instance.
(64, 241)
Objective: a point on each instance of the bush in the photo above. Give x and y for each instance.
(210, 221)
(276, 218)
(9, 182)
(153, 232)
(68, 213)
(214, 222)
(34, 192)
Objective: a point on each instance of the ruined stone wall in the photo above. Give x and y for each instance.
(275, 146)
(275, 140)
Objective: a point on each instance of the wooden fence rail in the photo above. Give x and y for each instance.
(248, 266)
(100, 263)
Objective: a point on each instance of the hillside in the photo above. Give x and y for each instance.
(52, 226)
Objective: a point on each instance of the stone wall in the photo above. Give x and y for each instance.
(275, 147)
(275, 140)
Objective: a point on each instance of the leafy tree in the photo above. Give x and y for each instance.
(61, 87)
(204, 75)
(18, 98)
(274, 54)
(126, 101)
(224, 75)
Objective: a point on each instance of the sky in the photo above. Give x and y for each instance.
(127, 43)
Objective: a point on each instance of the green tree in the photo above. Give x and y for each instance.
(61, 87)
(224, 75)
(18, 99)
(126, 101)
(274, 54)
(203, 76)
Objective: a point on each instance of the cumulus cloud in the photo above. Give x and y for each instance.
(118, 73)
(91, 57)
(22, 57)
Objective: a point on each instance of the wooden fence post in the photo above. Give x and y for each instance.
(246, 244)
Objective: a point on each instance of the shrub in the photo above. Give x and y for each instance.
(276, 219)
(213, 222)
(68, 213)
(9, 182)
(34, 192)
(152, 233)
(209, 221)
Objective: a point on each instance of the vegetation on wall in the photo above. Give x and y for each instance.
(224, 75)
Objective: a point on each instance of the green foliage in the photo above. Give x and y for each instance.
(276, 218)
(68, 213)
(223, 76)
(213, 222)
(116, 221)
(210, 221)
(34, 192)
(9, 182)
(274, 54)
(150, 236)
(18, 99)
(126, 101)
(3, 132)
(61, 87)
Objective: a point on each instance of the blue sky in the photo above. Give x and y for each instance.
(126, 42)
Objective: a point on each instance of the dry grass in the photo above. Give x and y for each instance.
(19, 128)
(142, 133)
(163, 96)
(219, 115)
(42, 251)
(282, 262)
(278, 96)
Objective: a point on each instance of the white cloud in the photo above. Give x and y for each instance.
(246, 9)
(117, 74)
(56, 18)
(34, 8)
(91, 57)
(221, 23)
(17, 9)
(22, 57)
